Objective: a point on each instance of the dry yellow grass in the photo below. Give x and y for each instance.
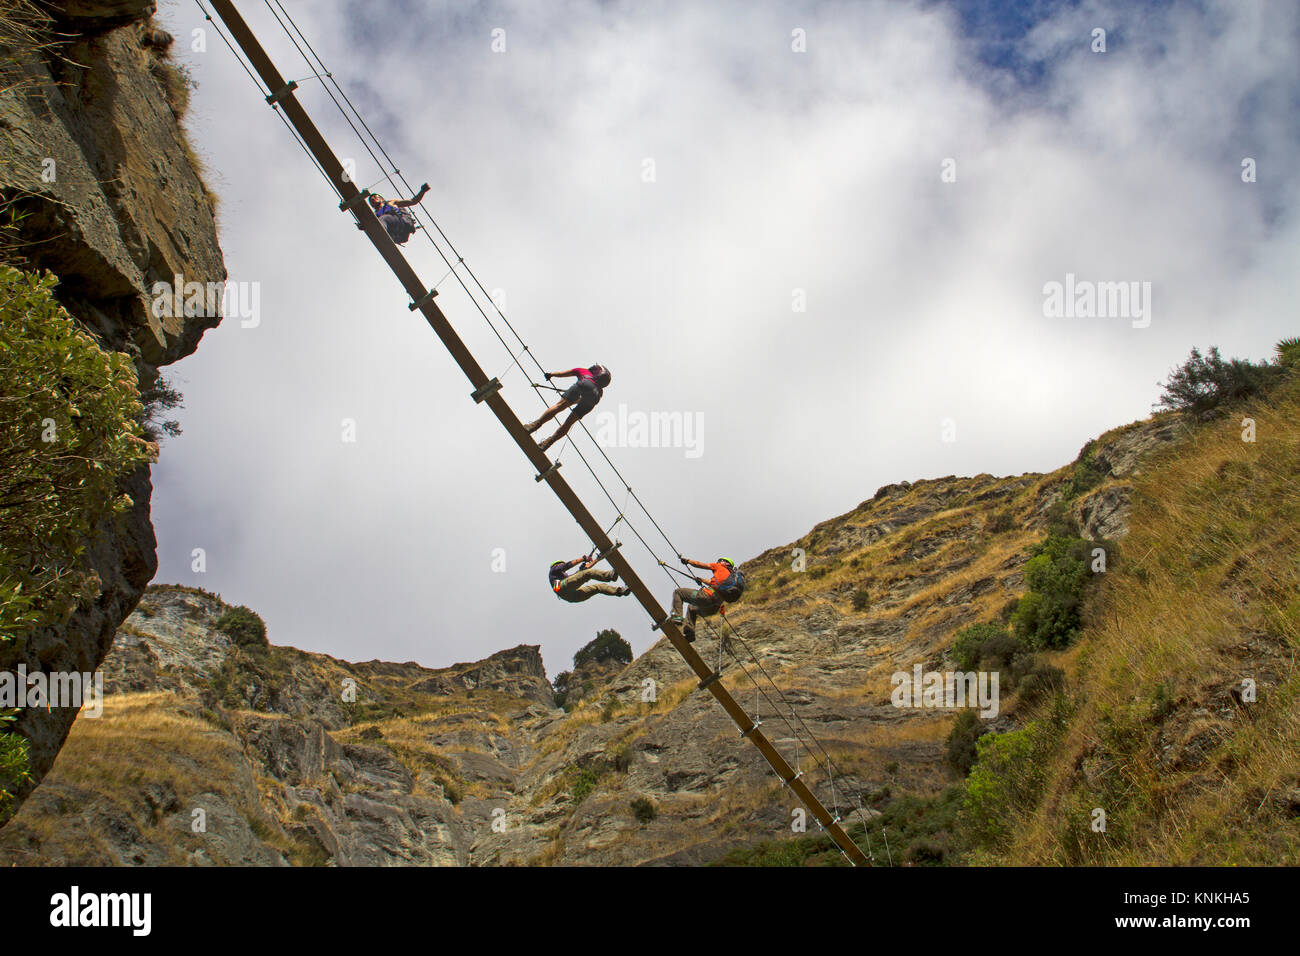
(137, 739)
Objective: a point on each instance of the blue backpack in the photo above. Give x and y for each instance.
(731, 589)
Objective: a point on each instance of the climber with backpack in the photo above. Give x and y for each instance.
(725, 587)
(578, 587)
(394, 216)
(582, 396)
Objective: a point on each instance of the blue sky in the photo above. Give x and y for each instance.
(778, 174)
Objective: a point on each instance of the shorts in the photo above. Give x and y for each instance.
(583, 395)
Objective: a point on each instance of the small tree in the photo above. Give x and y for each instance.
(608, 645)
(861, 599)
(159, 399)
(561, 686)
(1206, 381)
(244, 627)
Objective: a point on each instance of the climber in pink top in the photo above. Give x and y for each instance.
(582, 395)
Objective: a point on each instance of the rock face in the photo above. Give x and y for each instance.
(518, 671)
(589, 678)
(97, 162)
(281, 756)
(1104, 513)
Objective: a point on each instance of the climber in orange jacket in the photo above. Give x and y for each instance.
(726, 586)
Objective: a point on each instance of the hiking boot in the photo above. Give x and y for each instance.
(675, 618)
(532, 427)
(689, 634)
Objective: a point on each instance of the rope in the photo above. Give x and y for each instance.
(258, 83)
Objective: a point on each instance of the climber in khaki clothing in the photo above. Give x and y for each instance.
(578, 587)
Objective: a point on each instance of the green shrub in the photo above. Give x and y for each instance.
(608, 645)
(861, 599)
(1206, 381)
(584, 783)
(1050, 614)
(70, 432)
(15, 764)
(1087, 473)
(244, 627)
(1059, 517)
(1288, 352)
(1005, 782)
(969, 647)
(960, 746)
(644, 810)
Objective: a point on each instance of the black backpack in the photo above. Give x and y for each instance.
(402, 226)
(731, 589)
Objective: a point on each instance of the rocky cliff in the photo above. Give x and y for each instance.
(209, 752)
(108, 196)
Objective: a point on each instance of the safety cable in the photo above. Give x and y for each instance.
(459, 258)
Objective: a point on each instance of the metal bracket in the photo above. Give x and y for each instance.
(423, 300)
(655, 627)
(360, 197)
(792, 779)
(490, 388)
(548, 472)
(612, 548)
(746, 733)
(710, 680)
(282, 92)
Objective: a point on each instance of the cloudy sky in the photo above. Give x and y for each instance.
(820, 231)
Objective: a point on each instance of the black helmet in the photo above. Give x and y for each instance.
(600, 374)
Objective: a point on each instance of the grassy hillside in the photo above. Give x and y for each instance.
(1161, 731)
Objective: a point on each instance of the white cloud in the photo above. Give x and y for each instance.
(776, 171)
